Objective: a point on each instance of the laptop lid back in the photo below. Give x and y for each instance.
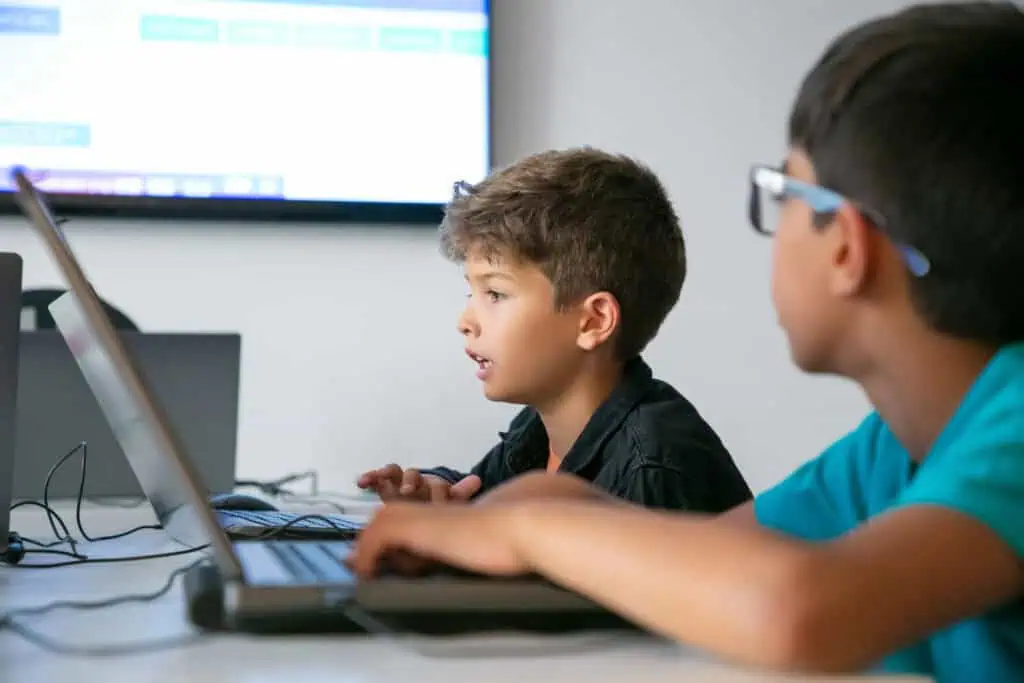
(10, 336)
(150, 445)
(195, 377)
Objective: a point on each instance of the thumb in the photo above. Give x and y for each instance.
(465, 488)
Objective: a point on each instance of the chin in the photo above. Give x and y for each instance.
(500, 395)
(812, 363)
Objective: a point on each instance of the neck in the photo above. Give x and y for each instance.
(910, 392)
(566, 415)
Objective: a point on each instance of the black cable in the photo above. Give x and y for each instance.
(87, 559)
(46, 488)
(276, 530)
(49, 511)
(63, 534)
(78, 505)
(276, 487)
(10, 622)
(54, 647)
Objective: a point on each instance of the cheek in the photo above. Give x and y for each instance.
(788, 262)
(779, 275)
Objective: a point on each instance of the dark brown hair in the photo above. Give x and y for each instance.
(920, 115)
(591, 221)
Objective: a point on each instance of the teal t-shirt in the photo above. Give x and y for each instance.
(976, 467)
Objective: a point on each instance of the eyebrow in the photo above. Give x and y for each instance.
(492, 275)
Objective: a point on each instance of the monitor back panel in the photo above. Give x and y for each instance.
(195, 376)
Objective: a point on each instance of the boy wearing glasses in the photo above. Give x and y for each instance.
(573, 258)
(897, 261)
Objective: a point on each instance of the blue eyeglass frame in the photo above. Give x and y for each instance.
(822, 201)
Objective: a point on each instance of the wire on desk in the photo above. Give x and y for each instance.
(315, 496)
(78, 559)
(352, 611)
(275, 487)
(10, 621)
(63, 535)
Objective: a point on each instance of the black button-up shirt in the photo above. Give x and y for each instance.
(646, 443)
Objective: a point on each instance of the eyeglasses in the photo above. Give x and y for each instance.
(769, 187)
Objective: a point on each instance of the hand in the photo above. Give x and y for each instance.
(392, 483)
(476, 539)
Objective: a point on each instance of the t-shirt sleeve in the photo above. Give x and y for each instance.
(823, 497)
(983, 479)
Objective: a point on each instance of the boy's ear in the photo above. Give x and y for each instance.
(600, 316)
(854, 251)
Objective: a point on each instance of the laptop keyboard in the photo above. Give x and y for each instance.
(314, 562)
(274, 520)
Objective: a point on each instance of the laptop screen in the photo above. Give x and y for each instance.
(136, 419)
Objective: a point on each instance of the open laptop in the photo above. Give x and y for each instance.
(153, 450)
(194, 376)
(283, 585)
(10, 323)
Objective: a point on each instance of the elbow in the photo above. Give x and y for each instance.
(804, 627)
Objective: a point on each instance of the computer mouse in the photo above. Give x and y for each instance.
(240, 501)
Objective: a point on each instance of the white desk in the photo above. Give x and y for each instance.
(259, 659)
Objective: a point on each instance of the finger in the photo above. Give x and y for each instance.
(367, 479)
(437, 490)
(465, 488)
(412, 480)
(405, 563)
(387, 489)
(380, 538)
(392, 473)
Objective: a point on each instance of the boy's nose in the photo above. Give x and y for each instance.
(467, 324)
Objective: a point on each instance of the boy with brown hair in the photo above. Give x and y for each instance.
(574, 258)
(898, 250)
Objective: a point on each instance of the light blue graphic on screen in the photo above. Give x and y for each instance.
(256, 32)
(380, 54)
(468, 43)
(31, 21)
(410, 39)
(25, 134)
(355, 38)
(473, 6)
(185, 29)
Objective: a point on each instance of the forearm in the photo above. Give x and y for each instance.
(537, 486)
(727, 589)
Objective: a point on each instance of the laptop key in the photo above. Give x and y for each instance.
(300, 570)
(323, 564)
(339, 552)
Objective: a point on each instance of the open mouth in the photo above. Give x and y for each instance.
(482, 363)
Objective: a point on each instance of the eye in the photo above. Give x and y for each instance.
(494, 296)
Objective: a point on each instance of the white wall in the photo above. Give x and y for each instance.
(375, 372)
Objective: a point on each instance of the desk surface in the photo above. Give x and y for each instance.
(188, 656)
